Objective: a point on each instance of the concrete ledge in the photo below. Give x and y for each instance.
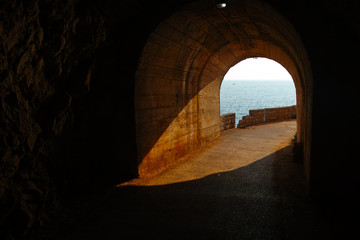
(259, 116)
(227, 121)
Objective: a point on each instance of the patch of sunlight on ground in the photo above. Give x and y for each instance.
(235, 148)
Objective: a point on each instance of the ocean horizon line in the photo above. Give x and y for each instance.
(279, 80)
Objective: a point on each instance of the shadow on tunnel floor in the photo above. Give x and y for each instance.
(264, 200)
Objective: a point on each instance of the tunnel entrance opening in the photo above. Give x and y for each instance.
(184, 61)
(260, 85)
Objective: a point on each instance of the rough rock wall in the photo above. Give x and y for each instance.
(46, 55)
(60, 106)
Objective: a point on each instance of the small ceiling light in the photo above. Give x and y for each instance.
(220, 4)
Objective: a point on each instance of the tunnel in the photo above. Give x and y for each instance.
(96, 93)
(182, 67)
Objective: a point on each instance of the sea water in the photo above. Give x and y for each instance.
(241, 96)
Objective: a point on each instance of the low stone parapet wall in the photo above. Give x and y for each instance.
(227, 121)
(259, 116)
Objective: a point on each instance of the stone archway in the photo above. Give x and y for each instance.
(182, 67)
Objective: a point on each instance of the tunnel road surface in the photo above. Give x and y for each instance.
(243, 185)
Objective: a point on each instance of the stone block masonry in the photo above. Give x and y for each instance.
(227, 121)
(259, 116)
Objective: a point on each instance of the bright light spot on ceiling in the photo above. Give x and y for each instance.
(221, 5)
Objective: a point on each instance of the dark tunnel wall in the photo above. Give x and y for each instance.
(67, 100)
(332, 37)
